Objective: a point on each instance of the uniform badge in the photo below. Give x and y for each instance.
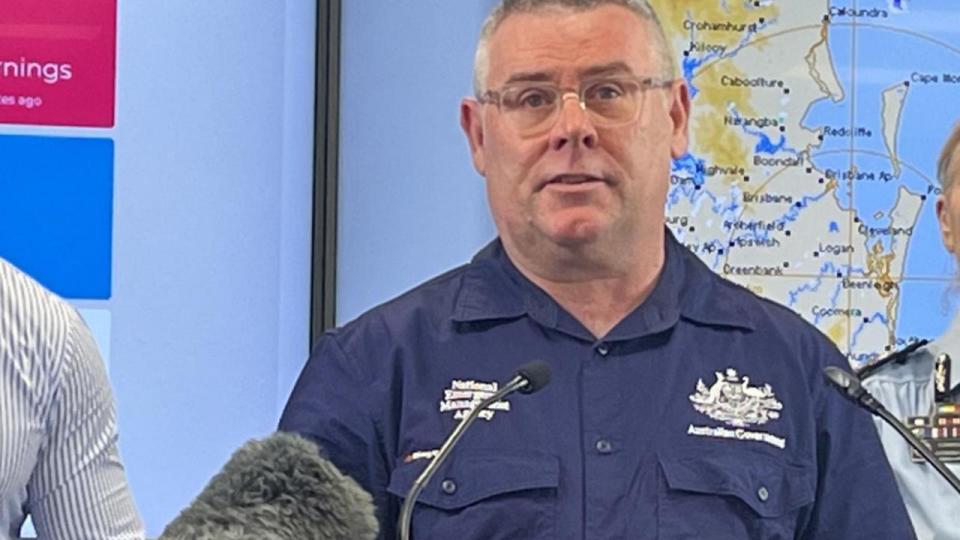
(464, 395)
(733, 400)
(941, 378)
(940, 432)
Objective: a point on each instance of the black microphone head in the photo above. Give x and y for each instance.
(278, 488)
(537, 375)
(851, 387)
(846, 382)
(838, 377)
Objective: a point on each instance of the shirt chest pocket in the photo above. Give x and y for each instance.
(484, 496)
(726, 497)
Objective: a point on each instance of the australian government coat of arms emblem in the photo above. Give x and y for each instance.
(732, 400)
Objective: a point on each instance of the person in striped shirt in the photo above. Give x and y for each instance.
(59, 462)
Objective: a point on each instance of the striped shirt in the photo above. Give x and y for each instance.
(58, 431)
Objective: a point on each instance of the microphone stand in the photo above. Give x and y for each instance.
(406, 514)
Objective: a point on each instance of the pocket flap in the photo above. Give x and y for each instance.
(770, 489)
(471, 476)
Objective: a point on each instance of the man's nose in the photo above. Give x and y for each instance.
(574, 126)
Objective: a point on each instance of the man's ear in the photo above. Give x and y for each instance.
(471, 120)
(680, 114)
(947, 232)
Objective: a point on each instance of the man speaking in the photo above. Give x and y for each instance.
(681, 405)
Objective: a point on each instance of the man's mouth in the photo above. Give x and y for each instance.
(572, 180)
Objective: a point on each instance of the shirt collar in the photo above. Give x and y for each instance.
(493, 288)
(707, 298)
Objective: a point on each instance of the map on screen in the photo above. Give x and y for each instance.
(811, 174)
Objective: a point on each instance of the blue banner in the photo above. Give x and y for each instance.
(56, 211)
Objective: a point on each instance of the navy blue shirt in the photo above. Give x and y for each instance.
(702, 415)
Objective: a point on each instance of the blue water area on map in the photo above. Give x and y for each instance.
(690, 66)
(906, 46)
(932, 306)
(767, 147)
(56, 211)
(692, 166)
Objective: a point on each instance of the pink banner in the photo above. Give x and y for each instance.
(58, 62)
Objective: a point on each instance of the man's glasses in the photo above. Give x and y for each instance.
(533, 108)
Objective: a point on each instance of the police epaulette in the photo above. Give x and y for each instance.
(896, 356)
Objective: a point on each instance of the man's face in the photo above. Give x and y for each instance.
(577, 183)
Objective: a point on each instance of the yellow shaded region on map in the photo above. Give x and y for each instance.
(713, 137)
(837, 332)
(724, 146)
(878, 267)
(707, 20)
(721, 27)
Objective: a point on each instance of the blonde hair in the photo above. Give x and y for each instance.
(949, 160)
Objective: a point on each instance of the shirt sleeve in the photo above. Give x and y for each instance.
(857, 496)
(335, 403)
(78, 490)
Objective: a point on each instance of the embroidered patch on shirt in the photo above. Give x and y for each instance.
(464, 395)
(732, 400)
(421, 454)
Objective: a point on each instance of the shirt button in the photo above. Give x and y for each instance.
(604, 446)
(603, 349)
(763, 494)
(448, 486)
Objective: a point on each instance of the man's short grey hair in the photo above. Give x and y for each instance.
(949, 165)
(481, 65)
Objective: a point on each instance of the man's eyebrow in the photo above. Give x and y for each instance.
(531, 76)
(613, 68)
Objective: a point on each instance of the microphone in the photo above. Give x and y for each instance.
(531, 377)
(278, 488)
(850, 387)
(534, 376)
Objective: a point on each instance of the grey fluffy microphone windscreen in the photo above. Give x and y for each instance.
(278, 488)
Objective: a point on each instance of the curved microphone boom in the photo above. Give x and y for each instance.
(279, 488)
(530, 377)
(851, 388)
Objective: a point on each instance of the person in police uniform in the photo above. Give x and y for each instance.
(922, 388)
(681, 405)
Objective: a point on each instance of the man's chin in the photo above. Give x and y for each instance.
(576, 233)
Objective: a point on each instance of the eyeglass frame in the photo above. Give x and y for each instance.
(494, 97)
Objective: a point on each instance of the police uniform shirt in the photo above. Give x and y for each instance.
(703, 414)
(907, 390)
